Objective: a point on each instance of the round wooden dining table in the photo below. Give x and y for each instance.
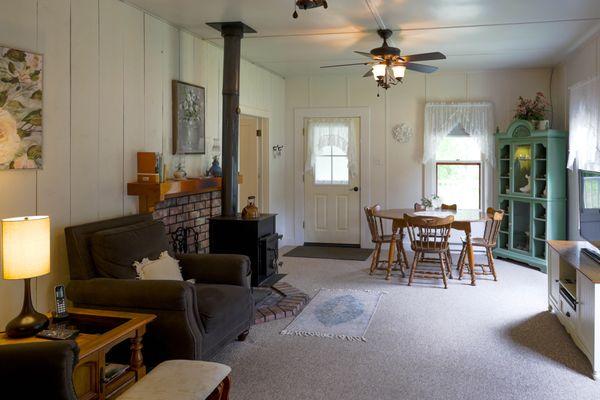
(462, 222)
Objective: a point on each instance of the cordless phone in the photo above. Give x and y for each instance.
(59, 330)
(61, 302)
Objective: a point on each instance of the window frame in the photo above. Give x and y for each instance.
(479, 165)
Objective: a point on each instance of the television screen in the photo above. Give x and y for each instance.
(589, 206)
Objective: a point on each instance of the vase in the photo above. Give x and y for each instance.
(543, 125)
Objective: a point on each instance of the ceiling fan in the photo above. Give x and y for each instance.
(388, 65)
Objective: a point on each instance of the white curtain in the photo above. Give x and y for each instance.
(477, 119)
(584, 125)
(339, 133)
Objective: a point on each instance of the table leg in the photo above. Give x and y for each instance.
(137, 360)
(391, 253)
(470, 256)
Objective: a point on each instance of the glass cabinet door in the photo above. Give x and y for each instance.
(521, 169)
(521, 226)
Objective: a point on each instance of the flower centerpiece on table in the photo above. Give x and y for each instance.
(534, 110)
(432, 202)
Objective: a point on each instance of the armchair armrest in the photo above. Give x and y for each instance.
(132, 293)
(48, 364)
(229, 269)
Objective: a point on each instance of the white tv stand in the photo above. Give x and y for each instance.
(574, 295)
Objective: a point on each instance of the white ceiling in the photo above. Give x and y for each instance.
(474, 34)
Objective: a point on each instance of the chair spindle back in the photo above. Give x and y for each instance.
(492, 226)
(429, 233)
(375, 223)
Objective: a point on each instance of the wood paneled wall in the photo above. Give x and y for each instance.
(107, 94)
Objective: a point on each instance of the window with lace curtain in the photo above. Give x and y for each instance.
(458, 170)
(331, 151)
(458, 144)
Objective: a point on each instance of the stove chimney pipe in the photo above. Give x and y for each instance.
(232, 33)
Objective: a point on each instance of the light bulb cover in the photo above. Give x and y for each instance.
(379, 70)
(399, 71)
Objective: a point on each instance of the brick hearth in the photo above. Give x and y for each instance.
(190, 211)
(284, 302)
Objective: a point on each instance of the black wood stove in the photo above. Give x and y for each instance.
(255, 238)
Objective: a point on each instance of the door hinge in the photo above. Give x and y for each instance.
(302, 177)
(258, 132)
(303, 131)
(303, 225)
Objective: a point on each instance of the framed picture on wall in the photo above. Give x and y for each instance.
(189, 136)
(20, 109)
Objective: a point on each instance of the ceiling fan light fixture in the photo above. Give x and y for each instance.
(379, 70)
(399, 71)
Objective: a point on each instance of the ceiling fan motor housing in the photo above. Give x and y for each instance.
(385, 50)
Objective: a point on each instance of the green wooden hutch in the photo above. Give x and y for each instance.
(532, 190)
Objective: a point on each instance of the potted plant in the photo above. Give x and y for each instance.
(534, 110)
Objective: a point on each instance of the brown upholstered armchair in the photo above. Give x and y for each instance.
(194, 320)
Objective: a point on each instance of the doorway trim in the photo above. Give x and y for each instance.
(264, 118)
(300, 114)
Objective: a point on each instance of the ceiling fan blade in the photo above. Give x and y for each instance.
(368, 73)
(362, 53)
(427, 69)
(424, 57)
(344, 65)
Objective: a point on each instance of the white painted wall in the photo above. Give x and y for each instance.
(396, 171)
(107, 94)
(579, 65)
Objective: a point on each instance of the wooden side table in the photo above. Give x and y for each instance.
(100, 331)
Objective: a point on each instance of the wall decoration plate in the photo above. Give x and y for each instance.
(402, 133)
(20, 109)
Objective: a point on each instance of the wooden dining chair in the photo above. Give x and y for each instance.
(429, 236)
(419, 207)
(488, 242)
(379, 238)
(449, 207)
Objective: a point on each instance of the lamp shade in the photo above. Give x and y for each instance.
(25, 247)
(379, 70)
(399, 71)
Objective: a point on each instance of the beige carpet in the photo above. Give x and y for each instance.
(493, 341)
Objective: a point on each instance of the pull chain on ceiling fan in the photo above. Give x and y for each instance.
(388, 66)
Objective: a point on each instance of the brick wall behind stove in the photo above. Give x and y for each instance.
(190, 211)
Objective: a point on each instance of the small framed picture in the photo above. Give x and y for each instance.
(189, 136)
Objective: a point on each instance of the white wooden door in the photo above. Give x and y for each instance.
(332, 181)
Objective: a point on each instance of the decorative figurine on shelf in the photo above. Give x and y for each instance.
(215, 169)
(527, 188)
(180, 174)
(545, 192)
(251, 210)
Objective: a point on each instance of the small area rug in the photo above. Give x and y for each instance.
(336, 313)
(330, 252)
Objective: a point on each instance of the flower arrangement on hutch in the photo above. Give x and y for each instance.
(534, 110)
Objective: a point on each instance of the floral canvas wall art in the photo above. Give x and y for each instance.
(20, 109)
(188, 119)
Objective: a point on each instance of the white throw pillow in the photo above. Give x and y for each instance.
(164, 268)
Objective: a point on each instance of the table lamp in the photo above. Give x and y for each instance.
(26, 255)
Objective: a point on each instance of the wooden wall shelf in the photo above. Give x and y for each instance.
(151, 193)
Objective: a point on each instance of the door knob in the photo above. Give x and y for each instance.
(354, 189)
